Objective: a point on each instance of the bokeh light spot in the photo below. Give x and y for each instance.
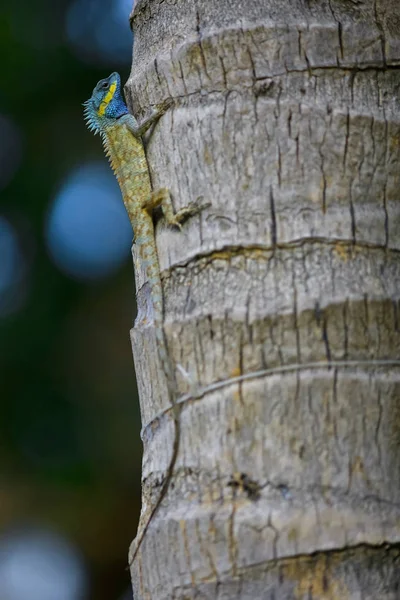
(88, 231)
(10, 150)
(40, 565)
(98, 31)
(13, 270)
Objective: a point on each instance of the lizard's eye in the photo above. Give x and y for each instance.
(104, 85)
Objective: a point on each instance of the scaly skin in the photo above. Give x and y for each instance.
(107, 114)
(129, 164)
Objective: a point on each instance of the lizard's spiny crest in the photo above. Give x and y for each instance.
(105, 105)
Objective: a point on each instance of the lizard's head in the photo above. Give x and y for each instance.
(106, 103)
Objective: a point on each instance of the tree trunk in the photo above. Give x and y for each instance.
(281, 300)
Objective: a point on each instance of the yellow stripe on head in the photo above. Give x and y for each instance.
(107, 99)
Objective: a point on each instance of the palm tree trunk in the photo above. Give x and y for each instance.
(282, 299)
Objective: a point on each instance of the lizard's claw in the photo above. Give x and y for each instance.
(165, 105)
(193, 208)
(175, 222)
(196, 206)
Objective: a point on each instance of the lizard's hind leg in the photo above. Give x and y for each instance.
(162, 198)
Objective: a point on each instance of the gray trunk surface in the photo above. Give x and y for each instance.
(281, 299)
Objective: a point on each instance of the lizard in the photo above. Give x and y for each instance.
(107, 114)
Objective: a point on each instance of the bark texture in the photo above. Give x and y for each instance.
(282, 299)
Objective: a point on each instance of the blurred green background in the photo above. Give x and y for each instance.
(70, 449)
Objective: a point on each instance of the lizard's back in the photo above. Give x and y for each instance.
(128, 161)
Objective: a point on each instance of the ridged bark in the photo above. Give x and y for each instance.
(282, 299)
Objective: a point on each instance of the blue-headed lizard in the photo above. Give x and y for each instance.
(107, 114)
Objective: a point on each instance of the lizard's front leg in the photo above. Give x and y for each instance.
(139, 129)
(162, 198)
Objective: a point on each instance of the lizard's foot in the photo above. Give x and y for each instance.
(193, 208)
(162, 198)
(139, 129)
(164, 106)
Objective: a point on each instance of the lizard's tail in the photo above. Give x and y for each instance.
(163, 492)
(172, 393)
(162, 347)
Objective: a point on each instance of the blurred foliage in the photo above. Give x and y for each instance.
(70, 449)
